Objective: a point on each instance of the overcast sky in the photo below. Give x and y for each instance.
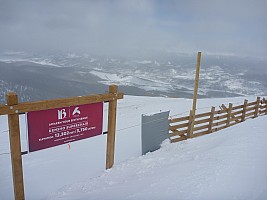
(125, 26)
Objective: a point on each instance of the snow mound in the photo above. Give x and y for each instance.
(230, 164)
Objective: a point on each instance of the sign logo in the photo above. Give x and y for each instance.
(76, 111)
(61, 114)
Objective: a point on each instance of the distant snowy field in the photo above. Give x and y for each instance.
(168, 75)
(229, 164)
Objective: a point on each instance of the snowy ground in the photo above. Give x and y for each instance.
(230, 164)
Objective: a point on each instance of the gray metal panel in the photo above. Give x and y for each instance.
(155, 129)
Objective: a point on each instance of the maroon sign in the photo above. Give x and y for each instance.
(54, 127)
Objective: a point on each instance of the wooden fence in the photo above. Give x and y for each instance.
(215, 120)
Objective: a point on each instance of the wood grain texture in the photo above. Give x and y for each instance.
(206, 114)
(211, 119)
(173, 128)
(112, 110)
(257, 107)
(202, 121)
(237, 107)
(201, 127)
(220, 117)
(219, 123)
(201, 133)
(190, 125)
(15, 148)
(180, 119)
(58, 103)
(178, 139)
(244, 110)
(178, 133)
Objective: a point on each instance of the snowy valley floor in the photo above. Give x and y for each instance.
(229, 164)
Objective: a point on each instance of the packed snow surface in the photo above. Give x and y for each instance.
(229, 164)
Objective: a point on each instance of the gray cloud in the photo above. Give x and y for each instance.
(121, 26)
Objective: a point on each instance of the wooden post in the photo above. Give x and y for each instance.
(15, 148)
(190, 127)
(257, 107)
(195, 94)
(223, 108)
(229, 111)
(244, 110)
(265, 100)
(211, 119)
(113, 89)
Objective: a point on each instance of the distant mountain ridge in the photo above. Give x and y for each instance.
(45, 76)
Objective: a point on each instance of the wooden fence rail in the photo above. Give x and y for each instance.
(215, 120)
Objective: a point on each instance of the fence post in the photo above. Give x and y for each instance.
(229, 111)
(113, 89)
(244, 110)
(265, 100)
(257, 107)
(15, 147)
(194, 106)
(196, 83)
(190, 125)
(211, 119)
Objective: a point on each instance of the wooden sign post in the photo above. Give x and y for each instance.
(15, 147)
(13, 109)
(113, 89)
(190, 135)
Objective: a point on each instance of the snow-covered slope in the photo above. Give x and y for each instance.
(229, 164)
